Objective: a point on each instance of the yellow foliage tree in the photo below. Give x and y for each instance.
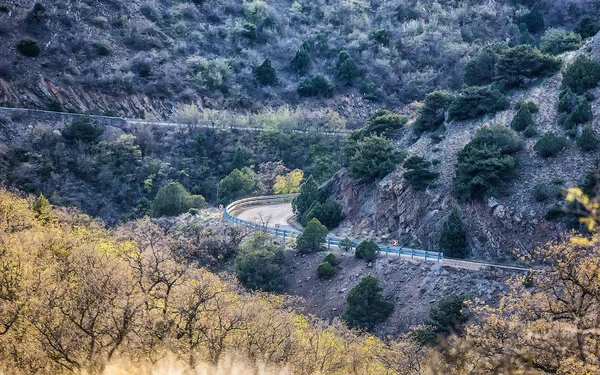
(290, 183)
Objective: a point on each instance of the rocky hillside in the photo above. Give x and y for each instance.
(139, 57)
(392, 209)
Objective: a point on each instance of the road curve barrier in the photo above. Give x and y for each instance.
(230, 211)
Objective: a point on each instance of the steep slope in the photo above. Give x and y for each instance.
(393, 210)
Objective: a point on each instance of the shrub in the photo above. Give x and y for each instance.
(249, 31)
(534, 20)
(549, 145)
(313, 238)
(418, 175)
(453, 237)
(522, 119)
(517, 64)
(331, 259)
(260, 264)
(301, 61)
(309, 194)
(581, 114)
(480, 70)
(485, 164)
(326, 271)
(172, 200)
(347, 70)
(557, 41)
(530, 131)
(540, 192)
(328, 213)
(476, 101)
(82, 129)
(346, 244)
(102, 48)
(383, 123)
(315, 86)
(37, 13)
(581, 75)
(587, 27)
(433, 112)
(29, 47)
(265, 73)
(588, 139)
(375, 157)
(238, 184)
(381, 36)
(450, 316)
(366, 306)
(367, 250)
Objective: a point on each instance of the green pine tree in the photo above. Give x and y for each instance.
(453, 238)
(301, 61)
(313, 238)
(523, 118)
(366, 306)
(265, 73)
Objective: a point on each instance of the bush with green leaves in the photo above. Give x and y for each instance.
(383, 123)
(37, 14)
(238, 184)
(265, 73)
(453, 237)
(518, 64)
(581, 75)
(476, 101)
(375, 157)
(523, 118)
(450, 316)
(549, 145)
(29, 47)
(480, 70)
(329, 213)
(82, 129)
(173, 199)
(301, 61)
(381, 36)
(588, 139)
(486, 164)
(313, 238)
(432, 113)
(418, 174)
(326, 271)
(308, 195)
(588, 27)
(331, 259)
(533, 20)
(346, 244)
(367, 250)
(315, 86)
(530, 132)
(259, 264)
(347, 69)
(556, 41)
(366, 306)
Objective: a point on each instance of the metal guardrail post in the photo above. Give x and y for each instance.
(387, 251)
(412, 255)
(328, 243)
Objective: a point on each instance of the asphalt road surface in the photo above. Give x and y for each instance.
(270, 215)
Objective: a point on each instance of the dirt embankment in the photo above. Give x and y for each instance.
(413, 287)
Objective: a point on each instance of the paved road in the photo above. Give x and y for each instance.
(270, 215)
(281, 213)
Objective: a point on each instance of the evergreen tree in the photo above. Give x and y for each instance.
(238, 184)
(534, 20)
(557, 41)
(383, 122)
(453, 238)
(239, 160)
(477, 101)
(301, 61)
(588, 139)
(519, 63)
(366, 306)
(375, 157)
(549, 145)
(479, 71)
(418, 174)
(265, 73)
(450, 316)
(82, 129)
(347, 70)
(581, 75)
(309, 194)
(367, 250)
(313, 238)
(315, 86)
(587, 27)
(432, 113)
(260, 264)
(523, 118)
(172, 200)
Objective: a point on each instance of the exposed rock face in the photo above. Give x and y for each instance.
(42, 93)
(497, 226)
